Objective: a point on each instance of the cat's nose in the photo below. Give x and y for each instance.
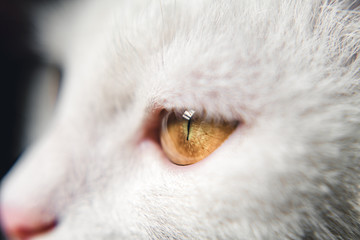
(23, 224)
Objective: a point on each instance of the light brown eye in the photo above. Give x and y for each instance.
(190, 138)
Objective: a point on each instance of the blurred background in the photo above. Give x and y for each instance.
(18, 63)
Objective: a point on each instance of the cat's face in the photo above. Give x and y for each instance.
(284, 72)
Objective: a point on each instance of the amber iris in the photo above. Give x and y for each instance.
(189, 141)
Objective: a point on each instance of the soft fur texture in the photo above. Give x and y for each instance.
(289, 70)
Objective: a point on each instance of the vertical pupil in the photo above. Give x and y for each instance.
(188, 114)
(188, 129)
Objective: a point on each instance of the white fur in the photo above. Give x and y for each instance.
(288, 69)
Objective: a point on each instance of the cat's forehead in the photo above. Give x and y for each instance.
(182, 54)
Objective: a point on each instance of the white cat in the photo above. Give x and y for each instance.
(286, 71)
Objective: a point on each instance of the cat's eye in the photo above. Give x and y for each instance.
(189, 138)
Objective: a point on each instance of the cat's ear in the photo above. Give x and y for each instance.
(41, 101)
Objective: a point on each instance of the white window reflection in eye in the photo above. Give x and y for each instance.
(190, 138)
(188, 114)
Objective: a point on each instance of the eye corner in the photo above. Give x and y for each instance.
(152, 124)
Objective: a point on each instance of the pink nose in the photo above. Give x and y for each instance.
(23, 224)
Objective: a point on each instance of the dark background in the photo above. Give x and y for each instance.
(17, 65)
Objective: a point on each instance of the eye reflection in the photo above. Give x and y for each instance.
(190, 138)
